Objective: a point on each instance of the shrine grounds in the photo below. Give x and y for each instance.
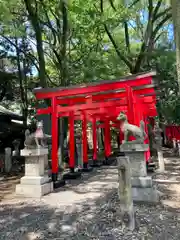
(89, 209)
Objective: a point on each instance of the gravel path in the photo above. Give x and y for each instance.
(89, 209)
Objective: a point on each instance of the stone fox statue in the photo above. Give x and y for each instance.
(132, 130)
(36, 139)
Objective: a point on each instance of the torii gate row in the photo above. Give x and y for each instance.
(107, 112)
(102, 96)
(104, 112)
(101, 86)
(57, 95)
(98, 107)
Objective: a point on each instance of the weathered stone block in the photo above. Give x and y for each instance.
(136, 154)
(133, 146)
(31, 180)
(146, 194)
(33, 191)
(141, 182)
(35, 183)
(142, 185)
(34, 166)
(125, 192)
(34, 152)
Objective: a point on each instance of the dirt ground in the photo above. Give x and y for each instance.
(88, 209)
(7, 185)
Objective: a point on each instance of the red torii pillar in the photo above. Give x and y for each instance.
(95, 163)
(140, 115)
(130, 107)
(107, 139)
(84, 139)
(146, 141)
(54, 131)
(130, 104)
(94, 130)
(71, 142)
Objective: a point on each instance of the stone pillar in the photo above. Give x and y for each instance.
(178, 143)
(125, 192)
(89, 137)
(158, 145)
(35, 183)
(100, 144)
(8, 160)
(143, 189)
(174, 144)
(79, 151)
(158, 141)
(16, 144)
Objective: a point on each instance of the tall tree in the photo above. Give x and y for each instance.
(176, 21)
(147, 18)
(32, 9)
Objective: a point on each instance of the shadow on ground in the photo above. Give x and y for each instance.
(91, 219)
(93, 214)
(8, 183)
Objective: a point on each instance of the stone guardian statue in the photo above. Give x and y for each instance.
(36, 139)
(132, 130)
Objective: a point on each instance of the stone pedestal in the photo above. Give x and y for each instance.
(35, 183)
(143, 189)
(8, 160)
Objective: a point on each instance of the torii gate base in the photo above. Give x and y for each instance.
(108, 161)
(72, 175)
(96, 164)
(86, 168)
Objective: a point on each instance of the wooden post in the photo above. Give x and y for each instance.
(146, 141)
(54, 130)
(94, 139)
(125, 192)
(97, 143)
(84, 140)
(130, 108)
(107, 141)
(109, 138)
(72, 174)
(71, 142)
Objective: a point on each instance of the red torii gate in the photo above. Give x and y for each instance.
(102, 101)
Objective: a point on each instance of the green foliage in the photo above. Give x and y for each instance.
(86, 41)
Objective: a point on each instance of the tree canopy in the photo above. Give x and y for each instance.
(60, 43)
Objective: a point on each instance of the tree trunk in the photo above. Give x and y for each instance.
(64, 78)
(176, 20)
(33, 17)
(25, 67)
(21, 84)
